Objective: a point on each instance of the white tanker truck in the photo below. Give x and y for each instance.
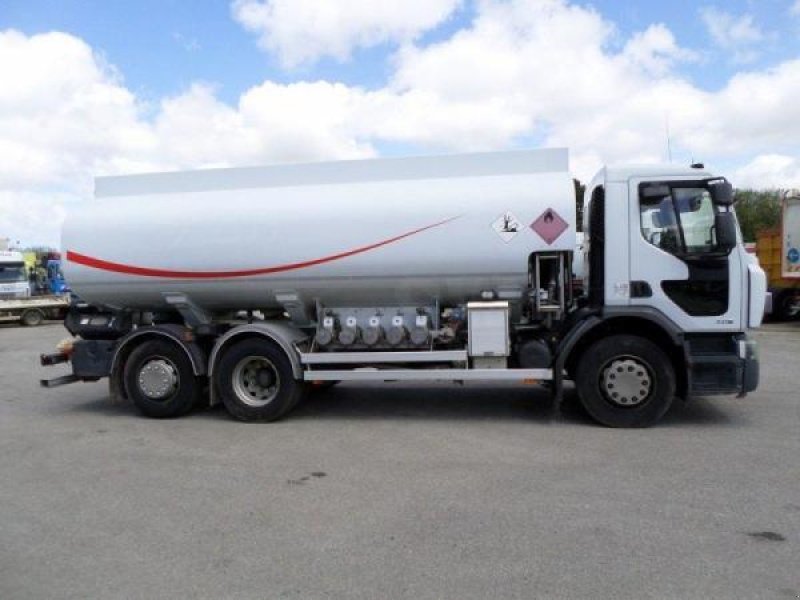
(244, 286)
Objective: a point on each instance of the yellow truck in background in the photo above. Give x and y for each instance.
(778, 252)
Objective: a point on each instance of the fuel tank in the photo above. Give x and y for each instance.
(355, 233)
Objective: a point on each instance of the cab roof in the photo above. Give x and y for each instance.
(620, 173)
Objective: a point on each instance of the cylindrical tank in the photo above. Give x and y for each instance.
(355, 233)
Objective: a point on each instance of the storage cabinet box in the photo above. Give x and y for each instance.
(488, 328)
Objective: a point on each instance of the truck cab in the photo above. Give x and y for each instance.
(665, 259)
(13, 276)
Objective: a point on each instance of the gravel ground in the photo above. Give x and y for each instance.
(397, 491)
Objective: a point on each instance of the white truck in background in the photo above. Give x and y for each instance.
(14, 283)
(254, 283)
(16, 302)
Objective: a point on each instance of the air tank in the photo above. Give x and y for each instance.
(353, 233)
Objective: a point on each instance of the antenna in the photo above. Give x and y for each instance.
(669, 141)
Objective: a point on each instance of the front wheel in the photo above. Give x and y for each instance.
(625, 381)
(256, 382)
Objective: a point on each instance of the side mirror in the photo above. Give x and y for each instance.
(721, 193)
(725, 228)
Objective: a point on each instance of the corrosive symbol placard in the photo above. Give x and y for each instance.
(549, 226)
(507, 226)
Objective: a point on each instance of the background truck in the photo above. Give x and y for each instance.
(44, 272)
(13, 276)
(779, 254)
(17, 303)
(34, 310)
(245, 286)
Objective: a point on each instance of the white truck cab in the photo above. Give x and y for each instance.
(665, 259)
(14, 282)
(663, 250)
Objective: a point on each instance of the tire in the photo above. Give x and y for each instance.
(256, 382)
(32, 317)
(160, 380)
(625, 381)
(786, 307)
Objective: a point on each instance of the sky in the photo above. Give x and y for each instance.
(116, 87)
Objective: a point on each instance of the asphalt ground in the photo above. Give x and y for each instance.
(397, 491)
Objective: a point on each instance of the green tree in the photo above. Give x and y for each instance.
(758, 210)
(579, 190)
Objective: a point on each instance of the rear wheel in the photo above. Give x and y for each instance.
(625, 381)
(787, 306)
(160, 380)
(256, 381)
(32, 317)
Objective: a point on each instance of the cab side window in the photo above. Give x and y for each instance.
(679, 221)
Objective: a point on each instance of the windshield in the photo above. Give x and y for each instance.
(12, 273)
(681, 222)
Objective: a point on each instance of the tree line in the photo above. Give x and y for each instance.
(757, 211)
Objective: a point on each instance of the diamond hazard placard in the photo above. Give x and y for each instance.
(507, 226)
(549, 226)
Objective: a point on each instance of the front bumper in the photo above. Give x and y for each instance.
(722, 365)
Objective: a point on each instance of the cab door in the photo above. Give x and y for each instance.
(675, 264)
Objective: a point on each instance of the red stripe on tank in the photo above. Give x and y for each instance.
(115, 267)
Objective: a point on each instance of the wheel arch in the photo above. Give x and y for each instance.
(282, 334)
(174, 333)
(653, 327)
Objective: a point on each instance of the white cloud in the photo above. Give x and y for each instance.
(737, 35)
(769, 171)
(303, 31)
(547, 66)
(307, 121)
(33, 218)
(795, 8)
(550, 66)
(728, 30)
(756, 111)
(656, 50)
(60, 109)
